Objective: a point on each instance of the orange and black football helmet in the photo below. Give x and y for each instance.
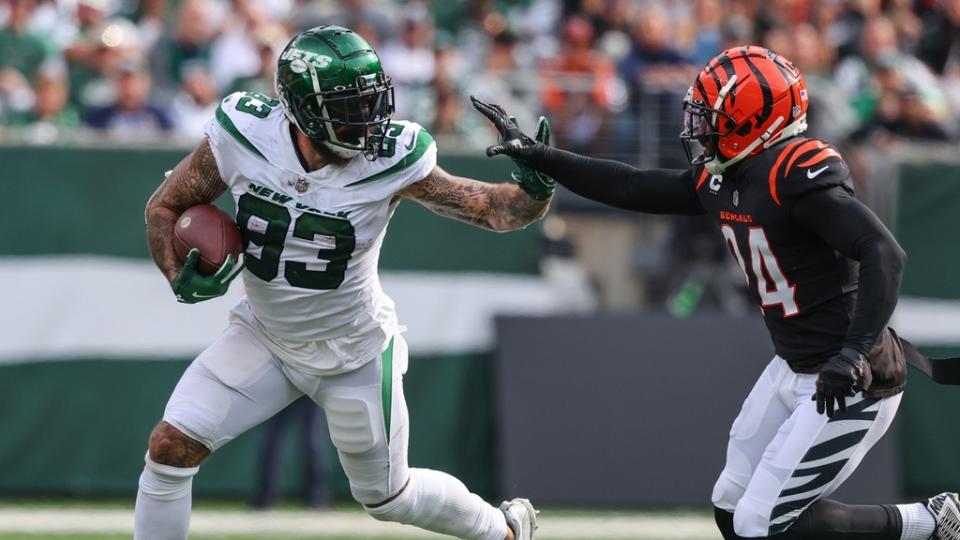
(745, 100)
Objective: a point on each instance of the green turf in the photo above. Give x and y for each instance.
(348, 509)
(24, 536)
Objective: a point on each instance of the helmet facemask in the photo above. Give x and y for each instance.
(700, 135)
(348, 121)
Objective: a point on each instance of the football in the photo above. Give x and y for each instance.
(210, 230)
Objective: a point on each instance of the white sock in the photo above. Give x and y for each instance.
(440, 503)
(918, 522)
(163, 504)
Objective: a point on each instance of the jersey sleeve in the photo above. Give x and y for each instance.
(405, 158)
(229, 133)
(806, 166)
(420, 155)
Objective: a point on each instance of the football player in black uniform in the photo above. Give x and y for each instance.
(826, 274)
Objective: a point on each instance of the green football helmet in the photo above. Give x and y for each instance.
(332, 87)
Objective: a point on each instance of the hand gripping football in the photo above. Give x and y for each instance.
(210, 230)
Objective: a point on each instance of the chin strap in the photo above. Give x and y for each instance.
(768, 139)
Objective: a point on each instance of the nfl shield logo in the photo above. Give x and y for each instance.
(302, 185)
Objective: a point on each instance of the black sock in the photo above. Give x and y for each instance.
(831, 520)
(724, 521)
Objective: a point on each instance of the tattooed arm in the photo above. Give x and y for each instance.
(497, 207)
(195, 180)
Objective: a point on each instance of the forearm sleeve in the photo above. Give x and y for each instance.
(853, 230)
(653, 191)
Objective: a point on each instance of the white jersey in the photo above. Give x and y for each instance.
(313, 238)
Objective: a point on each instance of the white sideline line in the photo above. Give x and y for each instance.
(299, 522)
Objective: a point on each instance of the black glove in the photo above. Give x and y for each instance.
(841, 377)
(520, 147)
(513, 142)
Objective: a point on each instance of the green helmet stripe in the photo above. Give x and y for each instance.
(422, 143)
(227, 124)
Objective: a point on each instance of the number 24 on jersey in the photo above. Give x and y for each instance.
(776, 291)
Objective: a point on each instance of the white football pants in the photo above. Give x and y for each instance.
(237, 383)
(782, 455)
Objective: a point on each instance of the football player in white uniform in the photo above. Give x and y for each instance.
(316, 176)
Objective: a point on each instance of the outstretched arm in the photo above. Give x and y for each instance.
(195, 180)
(653, 191)
(497, 207)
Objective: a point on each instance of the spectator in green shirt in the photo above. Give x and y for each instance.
(19, 49)
(190, 42)
(50, 111)
(91, 76)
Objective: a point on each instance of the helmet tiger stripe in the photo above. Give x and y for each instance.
(743, 101)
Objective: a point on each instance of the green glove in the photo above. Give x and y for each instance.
(538, 185)
(190, 287)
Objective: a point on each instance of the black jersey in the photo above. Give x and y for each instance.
(790, 220)
(805, 289)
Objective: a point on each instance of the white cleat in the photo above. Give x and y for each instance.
(521, 518)
(946, 512)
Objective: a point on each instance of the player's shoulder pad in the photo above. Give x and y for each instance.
(412, 141)
(804, 165)
(405, 148)
(245, 117)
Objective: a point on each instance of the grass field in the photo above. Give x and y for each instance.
(32, 536)
(77, 521)
(29, 536)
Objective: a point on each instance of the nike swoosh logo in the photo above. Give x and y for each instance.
(197, 295)
(413, 142)
(813, 174)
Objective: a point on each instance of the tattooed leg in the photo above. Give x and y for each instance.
(164, 496)
(170, 446)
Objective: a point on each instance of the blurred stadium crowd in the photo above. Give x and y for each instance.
(609, 73)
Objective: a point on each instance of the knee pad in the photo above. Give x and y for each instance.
(353, 425)
(749, 521)
(166, 483)
(727, 492)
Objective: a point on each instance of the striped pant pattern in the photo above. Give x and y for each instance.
(821, 465)
(782, 455)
